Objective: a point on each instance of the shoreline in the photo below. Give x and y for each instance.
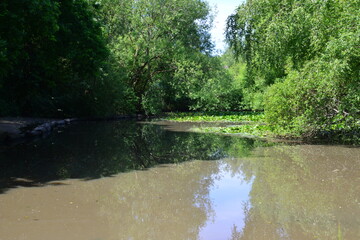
(18, 129)
(14, 129)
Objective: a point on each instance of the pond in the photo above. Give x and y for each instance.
(136, 180)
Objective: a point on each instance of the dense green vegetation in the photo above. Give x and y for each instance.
(216, 116)
(85, 58)
(246, 123)
(302, 63)
(50, 58)
(297, 60)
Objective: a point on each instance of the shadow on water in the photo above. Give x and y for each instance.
(91, 150)
(275, 191)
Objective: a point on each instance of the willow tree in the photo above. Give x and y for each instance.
(310, 50)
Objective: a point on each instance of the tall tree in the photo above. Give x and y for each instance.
(310, 50)
(50, 57)
(147, 36)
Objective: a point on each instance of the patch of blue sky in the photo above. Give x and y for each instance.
(222, 9)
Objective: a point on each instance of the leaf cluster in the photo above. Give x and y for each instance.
(303, 59)
(52, 60)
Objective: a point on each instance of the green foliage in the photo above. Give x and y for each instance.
(164, 47)
(204, 81)
(317, 99)
(27, 37)
(52, 58)
(94, 58)
(216, 116)
(243, 123)
(241, 95)
(253, 130)
(308, 52)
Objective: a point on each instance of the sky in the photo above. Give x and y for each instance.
(223, 8)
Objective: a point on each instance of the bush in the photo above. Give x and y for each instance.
(323, 96)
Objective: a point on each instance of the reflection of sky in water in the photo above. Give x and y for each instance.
(171, 196)
(228, 195)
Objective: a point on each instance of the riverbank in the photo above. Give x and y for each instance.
(13, 129)
(17, 129)
(247, 123)
(253, 124)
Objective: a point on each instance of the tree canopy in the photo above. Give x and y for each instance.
(51, 56)
(162, 45)
(303, 60)
(297, 60)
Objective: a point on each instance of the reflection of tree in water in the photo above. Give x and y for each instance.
(92, 150)
(153, 198)
(304, 192)
(161, 203)
(298, 192)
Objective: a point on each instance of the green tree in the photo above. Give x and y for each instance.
(309, 50)
(53, 59)
(149, 39)
(28, 36)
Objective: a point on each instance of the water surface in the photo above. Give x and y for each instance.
(128, 180)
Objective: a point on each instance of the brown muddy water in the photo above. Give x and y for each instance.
(129, 180)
